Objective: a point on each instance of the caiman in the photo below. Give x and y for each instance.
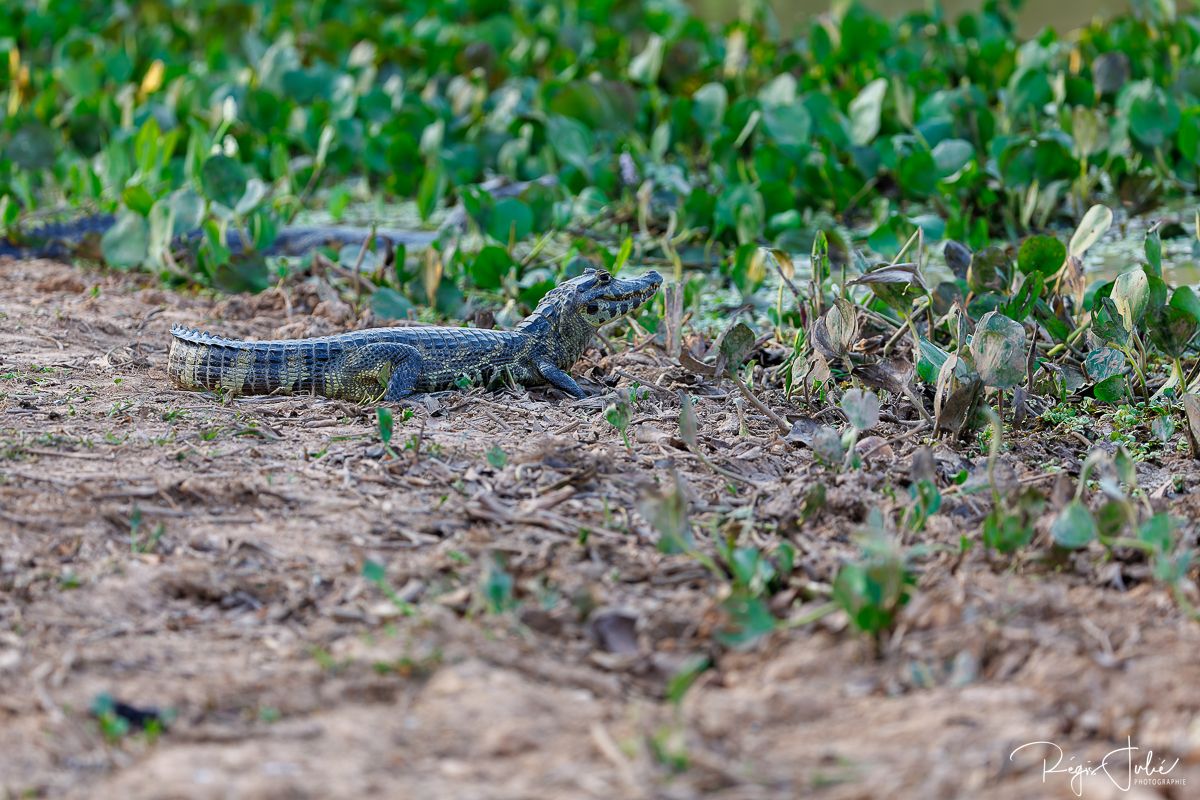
(391, 363)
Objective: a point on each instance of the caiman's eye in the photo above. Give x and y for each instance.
(603, 276)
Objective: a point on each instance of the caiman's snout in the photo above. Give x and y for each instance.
(614, 297)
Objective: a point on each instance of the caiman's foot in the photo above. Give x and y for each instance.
(561, 380)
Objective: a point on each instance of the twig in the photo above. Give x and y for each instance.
(754, 401)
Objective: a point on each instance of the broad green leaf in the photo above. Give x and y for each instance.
(510, 218)
(951, 155)
(223, 180)
(1152, 114)
(126, 244)
(1113, 389)
(389, 304)
(1073, 527)
(1043, 254)
(1153, 247)
(490, 266)
(1184, 298)
(1109, 324)
(789, 125)
(572, 141)
(748, 620)
(383, 416)
(708, 105)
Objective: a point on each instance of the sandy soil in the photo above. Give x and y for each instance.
(204, 559)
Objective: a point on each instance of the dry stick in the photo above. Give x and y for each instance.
(745, 390)
(358, 281)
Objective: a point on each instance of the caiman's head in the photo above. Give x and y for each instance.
(598, 297)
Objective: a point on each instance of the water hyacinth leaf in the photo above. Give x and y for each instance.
(895, 284)
(1131, 295)
(1105, 362)
(1092, 227)
(1109, 324)
(1153, 115)
(866, 111)
(490, 266)
(958, 258)
(1074, 526)
(431, 189)
(1153, 248)
(789, 125)
(1158, 532)
(1006, 532)
(1171, 329)
(127, 243)
(1026, 296)
(223, 180)
(930, 360)
(951, 155)
(998, 348)
(510, 220)
(572, 141)
(708, 106)
(1184, 298)
(388, 304)
(990, 270)
(646, 65)
(1113, 389)
(1042, 254)
(862, 409)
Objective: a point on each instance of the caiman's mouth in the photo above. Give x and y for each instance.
(640, 292)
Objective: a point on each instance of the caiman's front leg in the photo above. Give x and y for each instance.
(561, 380)
(386, 371)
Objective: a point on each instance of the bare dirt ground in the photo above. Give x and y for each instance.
(184, 554)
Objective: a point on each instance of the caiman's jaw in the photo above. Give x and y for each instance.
(598, 297)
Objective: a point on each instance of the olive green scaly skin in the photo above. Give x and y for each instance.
(391, 363)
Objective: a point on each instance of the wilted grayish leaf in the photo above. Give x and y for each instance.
(827, 445)
(1131, 293)
(907, 274)
(891, 376)
(958, 258)
(862, 408)
(998, 348)
(736, 345)
(841, 322)
(1095, 224)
